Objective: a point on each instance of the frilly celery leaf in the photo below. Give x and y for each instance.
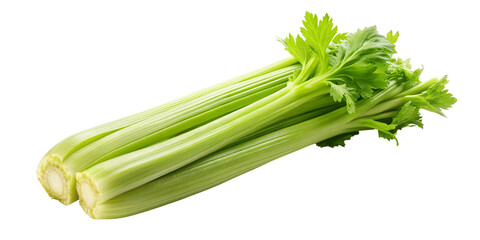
(384, 130)
(359, 62)
(298, 48)
(392, 37)
(338, 140)
(318, 35)
(408, 116)
(339, 38)
(342, 92)
(400, 71)
(435, 98)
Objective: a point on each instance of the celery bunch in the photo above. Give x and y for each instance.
(337, 85)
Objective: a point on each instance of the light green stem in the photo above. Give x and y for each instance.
(56, 171)
(228, 163)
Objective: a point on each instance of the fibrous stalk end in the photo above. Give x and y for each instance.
(88, 193)
(56, 179)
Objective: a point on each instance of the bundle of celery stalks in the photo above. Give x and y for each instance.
(334, 86)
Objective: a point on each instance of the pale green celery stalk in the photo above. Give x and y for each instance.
(115, 176)
(237, 159)
(58, 178)
(172, 123)
(307, 111)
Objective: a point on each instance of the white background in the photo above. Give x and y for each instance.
(69, 65)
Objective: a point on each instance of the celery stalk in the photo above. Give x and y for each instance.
(56, 171)
(282, 138)
(211, 171)
(117, 175)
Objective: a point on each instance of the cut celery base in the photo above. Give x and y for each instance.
(88, 192)
(56, 179)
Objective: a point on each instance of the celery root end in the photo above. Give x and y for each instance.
(56, 179)
(88, 193)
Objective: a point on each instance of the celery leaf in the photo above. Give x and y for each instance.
(336, 141)
(435, 98)
(298, 48)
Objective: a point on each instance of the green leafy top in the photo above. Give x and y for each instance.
(318, 36)
(359, 63)
(353, 65)
(400, 71)
(298, 48)
(356, 66)
(435, 98)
